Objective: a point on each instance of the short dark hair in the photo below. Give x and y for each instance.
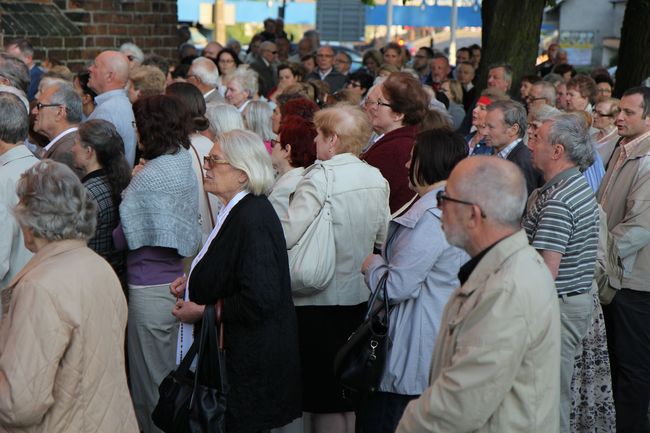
(164, 125)
(428, 51)
(645, 93)
(23, 45)
(532, 79)
(563, 69)
(406, 96)
(230, 51)
(435, 154)
(363, 78)
(299, 133)
(297, 70)
(467, 50)
(604, 78)
(194, 101)
(158, 61)
(82, 79)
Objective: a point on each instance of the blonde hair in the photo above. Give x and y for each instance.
(149, 80)
(349, 123)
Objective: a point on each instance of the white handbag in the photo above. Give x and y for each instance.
(313, 258)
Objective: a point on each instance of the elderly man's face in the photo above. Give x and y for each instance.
(99, 72)
(325, 58)
(269, 52)
(212, 50)
(439, 69)
(497, 78)
(454, 214)
(542, 151)
(47, 119)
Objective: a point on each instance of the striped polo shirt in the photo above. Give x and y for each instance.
(562, 216)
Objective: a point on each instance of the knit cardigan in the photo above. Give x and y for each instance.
(160, 206)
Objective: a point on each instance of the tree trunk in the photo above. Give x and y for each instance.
(634, 52)
(511, 33)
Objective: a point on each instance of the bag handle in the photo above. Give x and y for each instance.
(381, 287)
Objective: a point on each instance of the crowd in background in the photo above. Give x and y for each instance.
(194, 178)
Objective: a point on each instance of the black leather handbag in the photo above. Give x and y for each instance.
(196, 402)
(360, 363)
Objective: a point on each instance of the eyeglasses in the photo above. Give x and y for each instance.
(531, 99)
(376, 103)
(211, 161)
(272, 52)
(130, 57)
(441, 197)
(353, 84)
(39, 105)
(599, 114)
(226, 61)
(325, 55)
(275, 142)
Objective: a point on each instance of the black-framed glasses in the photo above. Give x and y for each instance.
(275, 142)
(377, 103)
(211, 161)
(531, 99)
(442, 197)
(353, 84)
(599, 114)
(40, 105)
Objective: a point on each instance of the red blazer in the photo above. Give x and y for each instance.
(389, 155)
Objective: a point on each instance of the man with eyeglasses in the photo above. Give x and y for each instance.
(496, 364)
(265, 65)
(540, 93)
(325, 69)
(421, 62)
(57, 115)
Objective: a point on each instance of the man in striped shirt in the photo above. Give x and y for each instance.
(561, 222)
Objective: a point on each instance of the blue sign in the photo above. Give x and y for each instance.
(424, 16)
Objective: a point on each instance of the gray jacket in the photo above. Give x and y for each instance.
(422, 273)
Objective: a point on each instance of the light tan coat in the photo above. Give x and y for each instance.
(62, 346)
(496, 364)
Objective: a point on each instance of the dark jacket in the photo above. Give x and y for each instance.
(389, 155)
(335, 79)
(521, 156)
(268, 78)
(246, 265)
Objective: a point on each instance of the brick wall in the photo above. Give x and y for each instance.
(75, 31)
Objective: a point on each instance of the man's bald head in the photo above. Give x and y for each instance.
(495, 184)
(109, 72)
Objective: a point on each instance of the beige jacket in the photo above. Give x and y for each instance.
(360, 219)
(496, 364)
(627, 206)
(62, 346)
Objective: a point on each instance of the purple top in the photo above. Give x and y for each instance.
(148, 266)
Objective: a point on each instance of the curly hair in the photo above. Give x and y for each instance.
(163, 123)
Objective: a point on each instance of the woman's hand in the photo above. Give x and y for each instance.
(138, 167)
(188, 311)
(366, 263)
(177, 287)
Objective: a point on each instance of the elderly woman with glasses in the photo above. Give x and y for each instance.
(421, 269)
(605, 114)
(62, 334)
(244, 263)
(359, 209)
(395, 109)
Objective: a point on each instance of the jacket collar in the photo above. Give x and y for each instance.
(493, 261)
(640, 149)
(50, 250)
(404, 131)
(426, 203)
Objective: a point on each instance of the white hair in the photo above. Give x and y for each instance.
(247, 79)
(257, 116)
(223, 118)
(246, 151)
(206, 71)
(132, 48)
(15, 91)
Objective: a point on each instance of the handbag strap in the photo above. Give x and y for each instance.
(371, 311)
(207, 198)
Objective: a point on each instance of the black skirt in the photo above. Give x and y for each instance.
(322, 330)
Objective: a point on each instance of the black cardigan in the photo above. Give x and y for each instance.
(246, 265)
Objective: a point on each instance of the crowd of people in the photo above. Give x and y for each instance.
(509, 228)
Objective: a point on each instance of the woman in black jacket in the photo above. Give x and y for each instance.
(244, 262)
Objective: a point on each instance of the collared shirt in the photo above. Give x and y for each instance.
(209, 92)
(58, 137)
(114, 106)
(626, 150)
(506, 150)
(467, 269)
(562, 216)
(324, 74)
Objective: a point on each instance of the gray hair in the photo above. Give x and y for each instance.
(246, 151)
(543, 113)
(247, 79)
(19, 93)
(206, 70)
(132, 48)
(498, 187)
(548, 92)
(571, 131)
(14, 122)
(223, 118)
(514, 113)
(54, 204)
(507, 70)
(257, 116)
(66, 94)
(553, 78)
(15, 71)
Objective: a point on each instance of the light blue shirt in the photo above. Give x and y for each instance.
(115, 107)
(595, 173)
